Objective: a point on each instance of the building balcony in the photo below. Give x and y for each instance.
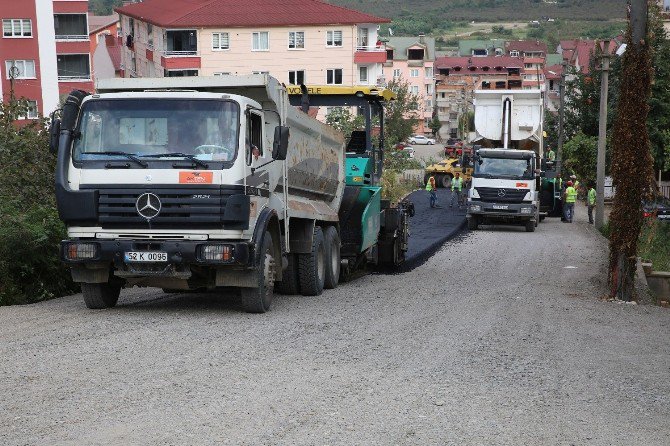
(180, 60)
(369, 55)
(70, 37)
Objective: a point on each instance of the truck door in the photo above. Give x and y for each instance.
(257, 153)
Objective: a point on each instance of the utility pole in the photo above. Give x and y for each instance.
(602, 135)
(561, 116)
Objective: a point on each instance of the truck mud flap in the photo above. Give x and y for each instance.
(351, 212)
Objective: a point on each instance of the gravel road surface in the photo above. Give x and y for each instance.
(499, 338)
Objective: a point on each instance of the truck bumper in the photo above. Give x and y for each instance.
(177, 254)
(503, 211)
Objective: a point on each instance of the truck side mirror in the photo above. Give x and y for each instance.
(280, 145)
(54, 135)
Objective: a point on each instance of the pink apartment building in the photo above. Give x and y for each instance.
(411, 59)
(310, 42)
(45, 51)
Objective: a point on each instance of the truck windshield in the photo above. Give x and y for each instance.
(158, 129)
(504, 168)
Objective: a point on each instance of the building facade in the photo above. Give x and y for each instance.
(331, 45)
(411, 59)
(45, 52)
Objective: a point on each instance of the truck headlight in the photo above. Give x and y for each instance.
(216, 253)
(81, 251)
(474, 193)
(475, 208)
(526, 210)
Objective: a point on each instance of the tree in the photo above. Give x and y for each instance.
(345, 121)
(30, 230)
(402, 114)
(658, 121)
(435, 124)
(579, 156)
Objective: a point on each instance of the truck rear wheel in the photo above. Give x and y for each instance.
(100, 295)
(259, 299)
(290, 283)
(332, 243)
(530, 226)
(446, 181)
(311, 267)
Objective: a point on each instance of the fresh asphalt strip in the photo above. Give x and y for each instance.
(430, 228)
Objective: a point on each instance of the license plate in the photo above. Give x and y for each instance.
(497, 206)
(146, 256)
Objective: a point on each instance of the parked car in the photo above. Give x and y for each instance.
(420, 139)
(409, 151)
(660, 207)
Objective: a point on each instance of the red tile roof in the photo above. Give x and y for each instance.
(98, 22)
(526, 46)
(568, 44)
(553, 72)
(243, 13)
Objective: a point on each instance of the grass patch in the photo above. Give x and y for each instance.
(654, 244)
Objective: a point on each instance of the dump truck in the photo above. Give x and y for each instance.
(198, 183)
(506, 182)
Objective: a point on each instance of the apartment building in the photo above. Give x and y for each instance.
(45, 51)
(459, 77)
(412, 60)
(308, 41)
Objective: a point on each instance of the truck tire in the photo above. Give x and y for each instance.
(259, 299)
(530, 226)
(290, 283)
(100, 295)
(311, 267)
(332, 265)
(445, 181)
(473, 224)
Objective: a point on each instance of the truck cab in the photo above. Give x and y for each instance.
(503, 188)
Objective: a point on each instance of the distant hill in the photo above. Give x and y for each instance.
(490, 10)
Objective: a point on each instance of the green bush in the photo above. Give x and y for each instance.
(654, 244)
(30, 230)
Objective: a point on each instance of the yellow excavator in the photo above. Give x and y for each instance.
(458, 159)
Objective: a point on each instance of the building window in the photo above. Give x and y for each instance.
(414, 89)
(453, 116)
(363, 74)
(514, 53)
(222, 73)
(296, 77)
(71, 26)
(389, 54)
(220, 41)
(363, 37)
(17, 28)
(260, 41)
(296, 40)
(334, 38)
(429, 72)
(260, 72)
(396, 73)
(429, 89)
(334, 76)
(150, 35)
(413, 72)
(429, 104)
(20, 69)
(31, 112)
(74, 66)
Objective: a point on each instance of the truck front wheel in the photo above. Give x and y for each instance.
(311, 267)
(259, 299)
(530, 226)
(100, 295)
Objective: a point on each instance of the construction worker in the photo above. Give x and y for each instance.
(591, 201)
(551, 155)
(569, 202)
(456, 189)
(431, 187)
(575, 183)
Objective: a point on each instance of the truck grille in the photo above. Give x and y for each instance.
(496, 195)
(181, 207)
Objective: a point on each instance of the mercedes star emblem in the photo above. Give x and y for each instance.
(501, 193)
(148, 205)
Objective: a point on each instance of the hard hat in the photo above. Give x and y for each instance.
(573, 176)
(569, 183)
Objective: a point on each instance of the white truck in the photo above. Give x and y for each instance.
(198, 183)
(506, 179)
